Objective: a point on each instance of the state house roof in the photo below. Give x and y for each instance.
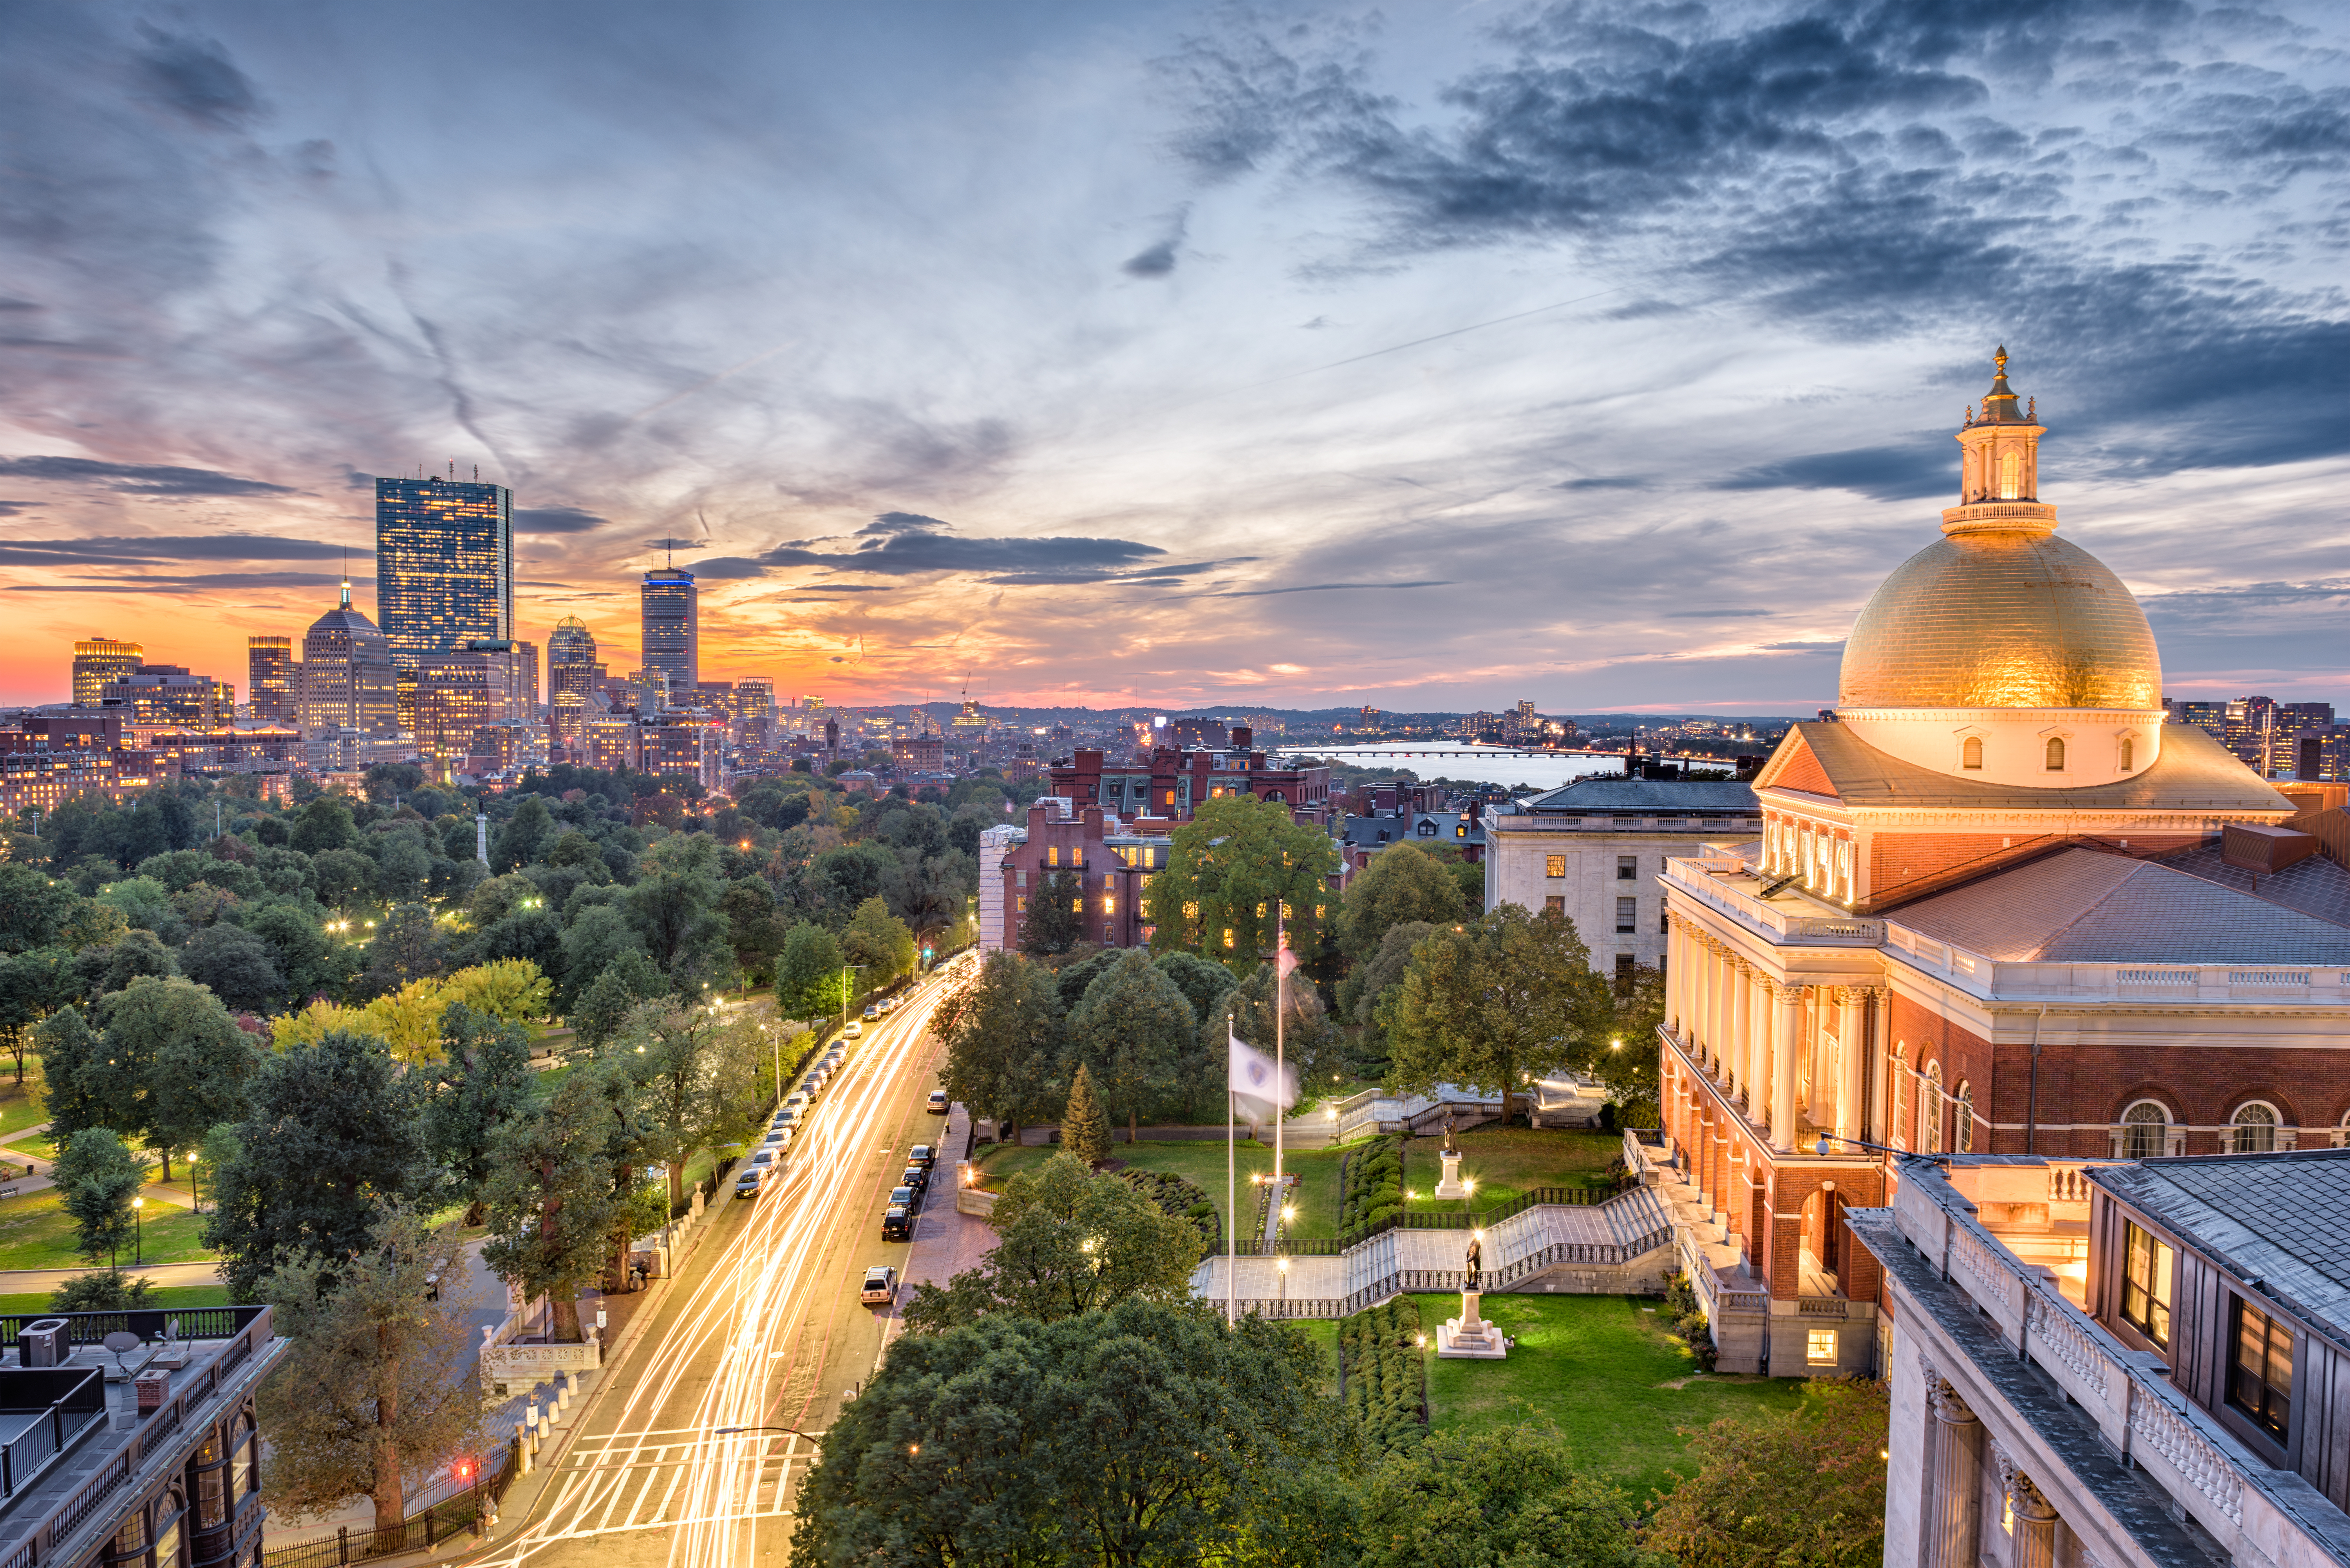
(2274, 1221)
(1647, 797)
(2194, 772)
(2083, 905)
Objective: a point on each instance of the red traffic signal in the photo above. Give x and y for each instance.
(465, 1470)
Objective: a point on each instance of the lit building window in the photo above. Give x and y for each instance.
(2254, 1129)
(2145, 1131)
(2261, 1382)
(2010, 477)
(1554, 864)
(1228, 936)
(2147, 1266)
(1820, 1346)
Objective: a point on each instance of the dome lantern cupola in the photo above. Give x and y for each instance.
(1998, 485)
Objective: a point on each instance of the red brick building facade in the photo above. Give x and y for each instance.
(1174, 782)
(1997, 908)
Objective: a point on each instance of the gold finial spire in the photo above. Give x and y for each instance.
(1999, 403)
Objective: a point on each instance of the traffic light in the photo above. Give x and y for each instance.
(464, 1471)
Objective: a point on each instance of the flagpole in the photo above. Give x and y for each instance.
(1279, 1073)
(1231, 1187)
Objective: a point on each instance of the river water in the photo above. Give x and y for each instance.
(1478, 764)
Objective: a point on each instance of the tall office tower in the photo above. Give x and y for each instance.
(755, 697)
(572, 673)
(347, 679)
(673, 638)
(98, 663)
(444, 564)
(478, 687)
(269, 678)
(526, 683)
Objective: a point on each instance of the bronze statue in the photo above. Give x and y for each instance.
(1448, 1148)
(1472, 1272)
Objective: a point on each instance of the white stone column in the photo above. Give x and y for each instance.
(1734, 1057)
(1786, 1047)
(1953, 1509)
(1676, 971)
(1853, 1037)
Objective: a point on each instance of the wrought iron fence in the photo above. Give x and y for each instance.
(421, 1530)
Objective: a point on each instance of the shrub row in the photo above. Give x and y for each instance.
(1685, 1316)
(1181, 1197)
(1370, 1183)
(1382, 1374)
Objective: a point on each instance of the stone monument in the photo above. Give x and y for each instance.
(1451, 1186)
(1470, 1336)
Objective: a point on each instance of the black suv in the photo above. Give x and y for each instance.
(921, 1154)
(898, 1223)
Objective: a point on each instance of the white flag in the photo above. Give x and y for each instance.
(1254, 1075)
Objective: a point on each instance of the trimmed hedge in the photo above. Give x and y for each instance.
(1370, 1183)
(1686, 1317)
(1179, 1197)
(1383, 1374)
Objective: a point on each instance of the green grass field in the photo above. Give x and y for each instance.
(35, 1233)
(1507, 1162)
(1604, 1371)
(164, 1296)
(1317, 1171)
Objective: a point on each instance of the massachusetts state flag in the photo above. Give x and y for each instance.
(1254, 1075)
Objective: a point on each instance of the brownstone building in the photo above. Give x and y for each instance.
(1999, 907)
(1176, 781)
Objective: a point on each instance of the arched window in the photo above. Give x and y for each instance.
(2253, 1129)
(2010, 477)
(170, 1511)
(2146, 1131)
(1971, 754)
(1899, 1077)
(2130, 752)
(1963, 1111)
(2056, 755)
(1930, 1111)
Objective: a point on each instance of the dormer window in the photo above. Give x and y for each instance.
(2056, 755)
(1970, 754)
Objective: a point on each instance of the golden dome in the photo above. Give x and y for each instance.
(1994, 617)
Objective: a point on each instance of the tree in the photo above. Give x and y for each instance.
(1202, 981)
(1506, 995)
(33, 908)
(697, 1074)
(1400, 885)
(627, 982)
(597, 939)
(1370, 984)
(1150, 1433)
(676, 915)
(101, 1290)
(550, 1196)
(409, 1020)
(1510, 1496)
(527, 835)
(1229, 872)
(1802, 1490)
(298, 947)
(324, 823)
(1069, 1242)
(1002, 1034)
(97, 1176)
(239, 967)
(407, 947)
(332, 1131)
(879, 942)
(754, 928)
(1132, 1030)
(1055, 919)
(82, 1088)
(1085, 1127)
(1306, 1041)
(485, 1082)
(378, 1389)
(96, 972)
(808, 972)
(510, 989)
(31, 987)
(200, 1060)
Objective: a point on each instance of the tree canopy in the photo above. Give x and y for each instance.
(1506, 995)
(1229, 871)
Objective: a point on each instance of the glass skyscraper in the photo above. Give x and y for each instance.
(444, 564)
(271, 680)
(673, 628)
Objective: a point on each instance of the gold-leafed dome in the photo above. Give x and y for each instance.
(2002, 620)
(2000, 613)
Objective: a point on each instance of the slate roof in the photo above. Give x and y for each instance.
(1652, 797)
(2082, 905)
(2194, 772)
(2315, 886)
(2273, 1219)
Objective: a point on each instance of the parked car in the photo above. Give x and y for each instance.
(854, 1031)
(754, 1176)
(915, 1177)
(904, 1195)
(872, 1010)
(784, 1119)
(937, 1102)
(796, 1103)
(921, 1154)
(888, 1004)
(881, 1287)
(776, 1137)
(898, 1223)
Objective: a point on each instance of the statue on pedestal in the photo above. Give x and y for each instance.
(1473, 1271)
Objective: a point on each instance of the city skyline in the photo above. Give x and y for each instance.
(1146, 355)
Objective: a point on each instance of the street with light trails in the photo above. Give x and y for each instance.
(691, 1448)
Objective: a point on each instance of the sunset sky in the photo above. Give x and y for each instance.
(1424, 356)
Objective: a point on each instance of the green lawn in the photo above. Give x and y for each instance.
(1507, 1162)
(1602, 1369)
(39, 1146)
(21, 1107)
(1317, 1170)
(161, 1296)
(35, 1233)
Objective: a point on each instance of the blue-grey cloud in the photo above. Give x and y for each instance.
(1158, 260)
(1735, 611)
(1901, 472)
(196, 77)
(907, 543)
(165, 549)
(138, 478)
(197, 582)
(556, 519)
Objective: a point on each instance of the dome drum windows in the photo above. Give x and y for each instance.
(1971, 748)
(2126, 752)
(2055, 749)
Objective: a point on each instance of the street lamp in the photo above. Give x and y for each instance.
(138, 1232)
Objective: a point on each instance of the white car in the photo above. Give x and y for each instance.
(856, 1029)
(881, 1287)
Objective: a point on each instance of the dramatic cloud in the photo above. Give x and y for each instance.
(164, 550)
(906, 544)
(556, 519)
(137, 479)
